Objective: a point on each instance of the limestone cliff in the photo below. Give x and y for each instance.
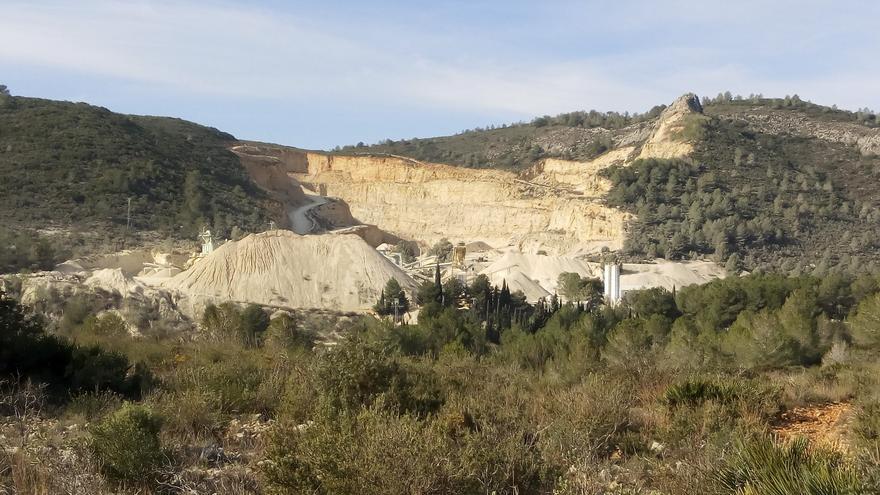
(427, 202)
(668, 140)
(582, 177)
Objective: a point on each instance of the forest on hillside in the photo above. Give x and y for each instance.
(579, 135)
(755, 202)
(69, 170)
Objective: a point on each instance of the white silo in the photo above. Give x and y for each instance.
(611, 283)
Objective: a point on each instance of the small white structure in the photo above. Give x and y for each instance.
(611, 283)
(207, 242)
(387, 250)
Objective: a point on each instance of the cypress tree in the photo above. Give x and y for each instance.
(438, 284)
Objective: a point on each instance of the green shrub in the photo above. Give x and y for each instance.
(631, 341)
(284, 334)
(238, 382)
(368, 453)
(763, 467)
(190, 414)
(587, 421)
(357, 373)
(865, 325)
(107, 325)
(26, 351)
(127, 445)
(378, 452)
(695, 392)
(866, 427)
(92, 368)
(92, 406)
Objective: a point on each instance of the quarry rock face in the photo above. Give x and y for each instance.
(555, 206)
(427, 202)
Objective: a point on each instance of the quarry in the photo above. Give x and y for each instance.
(334, 248)
(355, 304)
(431, 248)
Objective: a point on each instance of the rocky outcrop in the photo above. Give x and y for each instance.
(581, 177)
(668, 139)
(107, 289)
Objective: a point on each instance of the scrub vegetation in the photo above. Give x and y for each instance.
(667, 393)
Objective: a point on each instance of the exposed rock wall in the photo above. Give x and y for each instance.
(269, 168)
(426, 202)
(581, 177)
(556, 206)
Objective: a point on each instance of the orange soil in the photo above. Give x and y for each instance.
(821, 423)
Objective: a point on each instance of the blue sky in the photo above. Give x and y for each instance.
(320, 74)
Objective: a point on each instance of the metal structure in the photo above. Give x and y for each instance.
(611, 283)
(207, 242)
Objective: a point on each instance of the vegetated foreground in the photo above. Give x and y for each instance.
(664, 393)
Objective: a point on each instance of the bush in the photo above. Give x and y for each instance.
(357, 374)
(284, 334)
(238, 382)
(26, 351)
(867, 425)
(378, 452)
(192, 414)
(127, 445)
(107, 325)
(865, 325)
(761, 466)
(631, 342)
(371, 452)
(587, 421)
(695, 392)
(92, 406)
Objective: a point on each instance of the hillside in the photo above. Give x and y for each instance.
(68, 169)
(584, 135)
(754, 183)
(769, 183)
(571, 136)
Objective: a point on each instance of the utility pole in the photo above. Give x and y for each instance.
(127, 223)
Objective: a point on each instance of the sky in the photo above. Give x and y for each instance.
(323, 73)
